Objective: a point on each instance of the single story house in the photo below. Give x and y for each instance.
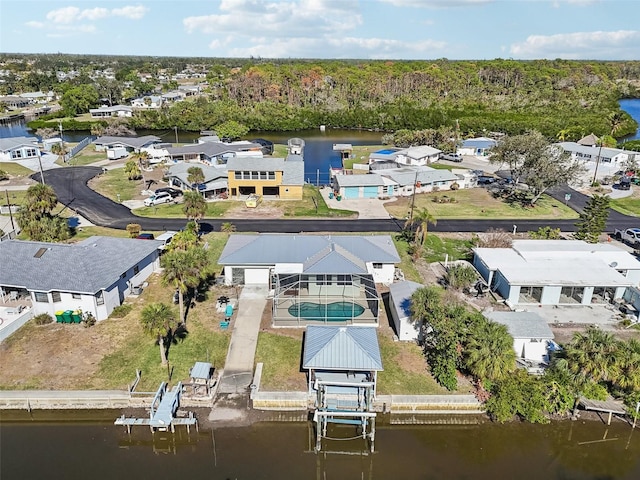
(420, 156)
(48, 143)
(424, 179)
(400, 308)
(532, 337)
(172, 97)
(371, 185)
(94, 275)
(479, 147)
(279, 177)
(314, 278)
(38, 97)
(18, 148)
(148, 101)
(557, 272)
(215, 178)
(14, 101)
(111, 111)
(592, 153)
(212, 152)
(342, 363)
(132, 144)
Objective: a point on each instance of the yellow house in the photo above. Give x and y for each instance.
(269, 177)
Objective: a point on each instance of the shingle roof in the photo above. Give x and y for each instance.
(341, 348)
(369, 179)
(85, 267)
(269, 164)
(180, 170)
(213, 149)
(10, 143)
(522, 324)
(401, 294)
(270, 249)
(425, 175)
(293, 173)
(134, 142)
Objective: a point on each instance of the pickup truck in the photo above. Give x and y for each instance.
(630, 235)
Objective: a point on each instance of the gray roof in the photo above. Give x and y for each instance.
(269, 164)
(322, 254)
(401, 295)
(133, 142)
(213, 149)
(293, 173)
(341, 348)
(114, 108)
(10, 143)
(425, 175)
(604, 152)
(369, 179)
(180, 170)
(86, 267)
(480, 142)
(522, 324)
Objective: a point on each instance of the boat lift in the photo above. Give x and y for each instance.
(164, 408)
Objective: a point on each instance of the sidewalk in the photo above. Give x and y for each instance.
(238, 367)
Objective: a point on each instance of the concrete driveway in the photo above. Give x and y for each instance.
(366, 207)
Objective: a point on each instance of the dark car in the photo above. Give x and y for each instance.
(484, 180)
(622, 186)
(146, 236)
(174, 192)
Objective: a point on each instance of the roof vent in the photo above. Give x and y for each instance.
(343, 329)
(40, 252)
(613, 264)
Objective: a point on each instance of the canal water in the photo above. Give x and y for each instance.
(96, 449)
(632, 107)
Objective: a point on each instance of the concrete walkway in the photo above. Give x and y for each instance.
(238, 368)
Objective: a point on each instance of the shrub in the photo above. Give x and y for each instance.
(134, 229)
(4, 175)
(121, 310)
(494, 238)
(89, 320)
(43, 319)
(454, 186)
(461, 276)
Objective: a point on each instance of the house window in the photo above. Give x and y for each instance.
(124, 275)
(99, 298)
(55, 296)
(321, 280)
(255, 175)
(272, 175)
(76, 296)
(41, 297)
(263, 175)
(246, 175)
(16, 154)
(30, 152)
(377, 266)
(136, 270)
(343, 280)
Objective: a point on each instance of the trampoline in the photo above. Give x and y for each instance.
(331, 312)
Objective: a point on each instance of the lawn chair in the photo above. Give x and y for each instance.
(225, 324)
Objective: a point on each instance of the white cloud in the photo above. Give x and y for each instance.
(94, 13)
(130, 12)
(618, 45)
(64, 15)
(439, 3)
(34, 24)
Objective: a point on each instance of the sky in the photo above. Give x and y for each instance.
(362, 29)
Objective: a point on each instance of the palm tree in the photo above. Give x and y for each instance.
(616, 121)
(159, 321)
(591, 355)
(489, 351)
(59, 149)
(227, 227)
(194, 206)
(40, 199)
(625, 372)
(132, 169)
(420, 220)
(562, 134)
(185, 269)
(142, 158)
(195, 175)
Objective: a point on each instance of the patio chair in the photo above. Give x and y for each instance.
(13, 295)
(224, 324)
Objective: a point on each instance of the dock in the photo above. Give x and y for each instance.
(163, 414)
(607, 406)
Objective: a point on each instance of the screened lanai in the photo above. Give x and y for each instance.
(313, 299)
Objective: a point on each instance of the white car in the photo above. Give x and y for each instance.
(158, 199)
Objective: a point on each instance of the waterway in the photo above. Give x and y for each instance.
(632, 107)
(51, 445)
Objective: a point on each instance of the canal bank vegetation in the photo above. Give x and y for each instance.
(594, 364)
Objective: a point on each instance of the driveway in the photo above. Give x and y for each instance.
(367, 208)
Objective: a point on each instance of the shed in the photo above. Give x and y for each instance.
(400, 308)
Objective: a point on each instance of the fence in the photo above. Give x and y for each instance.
(77, 148)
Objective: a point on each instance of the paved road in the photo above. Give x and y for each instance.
(70, 185)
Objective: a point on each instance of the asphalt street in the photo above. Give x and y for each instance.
(70, 185)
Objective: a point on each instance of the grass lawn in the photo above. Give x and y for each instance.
(407, 265)
(478, 203)
(174, 210)
(115, 182)
(405, 371)
(628, 205)
(15, 169)
(436, 248)
(87, 156)
(16, 197)
(360, 155)
(280, 355)
(307, 208)
(279, 151)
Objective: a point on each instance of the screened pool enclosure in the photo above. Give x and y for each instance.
(324, 299)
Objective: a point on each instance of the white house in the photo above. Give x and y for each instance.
(18, 148)
(591, 153)
(532, 337)
(479, 147)
(420, 156)
(112, 111)
(400, 308)
(131, 144)
(148, 101)
(557, 272)
(94, 275)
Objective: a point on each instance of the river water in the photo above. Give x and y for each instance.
(95, 449)
(632, 107)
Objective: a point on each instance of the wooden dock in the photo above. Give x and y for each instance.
(607, 406)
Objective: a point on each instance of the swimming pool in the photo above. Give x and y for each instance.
(331, 312)
(386, 151)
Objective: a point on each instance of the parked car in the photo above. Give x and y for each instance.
(145, 236)
(485, 180)
(630, 235)
(174, 192)
(622, 186)
(158, 199)
(452, 157)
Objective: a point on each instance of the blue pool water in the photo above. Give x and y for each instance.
(331, 312)
(386, 151)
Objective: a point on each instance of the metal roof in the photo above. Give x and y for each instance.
(369, 179)
(181, 171)
(341, 348)
(400, 293)
(86, 267)
(10, 143)
(425, 175)
(214, 149)
(594, 152)
(522, 324)
(269, 164)
(133, 142)
(480, 142)
(269, 249)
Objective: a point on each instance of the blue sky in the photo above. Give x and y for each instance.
(372, 29)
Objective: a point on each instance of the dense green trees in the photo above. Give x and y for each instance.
(80, 99)
(593, 219)
(36, 217)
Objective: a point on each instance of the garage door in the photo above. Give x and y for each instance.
(370, 192)
(351, 192)
(256, 276)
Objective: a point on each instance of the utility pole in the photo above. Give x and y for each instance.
(40, 164)
(176, 130)
(595, 173)
(413, 198)
(13, 227)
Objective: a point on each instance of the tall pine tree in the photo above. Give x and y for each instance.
(593, 219)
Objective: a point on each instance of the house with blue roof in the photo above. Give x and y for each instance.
(94, 275)
(315, 279)
(479, 147)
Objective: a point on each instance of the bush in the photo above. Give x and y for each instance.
(454, 186)
(4, 175)
(89, 320)
(461, 276)
(121, 311)
(134, 229)
(43, 319)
